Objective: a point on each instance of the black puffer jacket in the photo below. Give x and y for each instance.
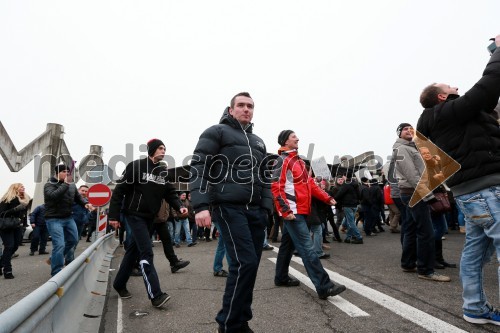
(59, 198)
(466, 129)
(230, 166)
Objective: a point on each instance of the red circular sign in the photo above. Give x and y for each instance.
(99, 195)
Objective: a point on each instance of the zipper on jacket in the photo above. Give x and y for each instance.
(131, 200)
(225, 178)
(139, 202)
(251, 161)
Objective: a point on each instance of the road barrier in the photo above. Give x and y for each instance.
(71, 301)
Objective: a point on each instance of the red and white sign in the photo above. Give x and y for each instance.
(99, 195)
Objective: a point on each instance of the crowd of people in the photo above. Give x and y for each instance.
(239, 188)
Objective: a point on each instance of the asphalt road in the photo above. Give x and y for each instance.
(380, 297)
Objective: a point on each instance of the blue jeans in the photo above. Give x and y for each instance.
(40, 236)
(418, 241)
(185, 225)
(266, 242)
(348, 221)
(317, 237)
(296, 236)
(64, 238)
(243, 231)
(440, 226)
(481, 210)
(138, 246)
(220, 252)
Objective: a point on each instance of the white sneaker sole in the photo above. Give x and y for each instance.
(480, 320)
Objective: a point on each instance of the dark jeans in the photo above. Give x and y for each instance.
(402, 210)
(371, 215)
(296, 236)
(10, 239)
(418, 241)
(194, 231)
(242, 229)
(162, 230)
(138, 247)
(40, 236)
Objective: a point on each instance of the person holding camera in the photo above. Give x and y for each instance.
(465, 127)
(59, 194)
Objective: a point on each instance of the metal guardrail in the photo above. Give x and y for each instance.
(71, 301)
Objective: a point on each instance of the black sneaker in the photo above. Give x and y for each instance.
(244, 328)
(192, 244)
(32, 253)
(324, 256)
(356, 241)
(158, 301)
(267, 248)
(333, 291)
(8, 275)
(291, 282)
(179, 265)
(124, 293)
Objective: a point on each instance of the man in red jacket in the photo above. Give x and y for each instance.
(292, 192)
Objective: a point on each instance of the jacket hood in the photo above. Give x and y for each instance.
(229, 120)
(400, 142)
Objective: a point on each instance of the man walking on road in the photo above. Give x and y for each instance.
(59, 194)
(418, 234)
(467, 129)
(228, 174)
(292, 193)
(140, 191)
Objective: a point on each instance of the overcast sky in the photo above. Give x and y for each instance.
(341, 74)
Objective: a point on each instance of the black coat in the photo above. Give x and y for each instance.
(348, 195)
(59, 198)
(467, 130)
(141, 189)
(230, 166)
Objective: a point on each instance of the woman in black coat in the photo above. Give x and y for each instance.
(13, 204)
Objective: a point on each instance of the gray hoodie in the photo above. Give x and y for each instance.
(410, 167)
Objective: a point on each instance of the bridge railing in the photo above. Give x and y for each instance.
(71, 301)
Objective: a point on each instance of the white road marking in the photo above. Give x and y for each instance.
(344, 305)
(406, 311)
(119, 321)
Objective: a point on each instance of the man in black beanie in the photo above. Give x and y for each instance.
(59, 194)
(140, 191)
(416, 230)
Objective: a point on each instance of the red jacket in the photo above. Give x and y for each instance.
(293, 189)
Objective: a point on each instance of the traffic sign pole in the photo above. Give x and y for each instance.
(98, 196)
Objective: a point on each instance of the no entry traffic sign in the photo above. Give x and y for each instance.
(99, 195)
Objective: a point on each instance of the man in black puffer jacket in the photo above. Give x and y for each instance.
(228, 174)
(467, 129)
(59, 194)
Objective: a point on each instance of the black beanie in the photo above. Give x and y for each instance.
(61, 167)
(153, 144)
(284, 135)
(400, 128)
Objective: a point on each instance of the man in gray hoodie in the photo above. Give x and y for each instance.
(418, 234)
